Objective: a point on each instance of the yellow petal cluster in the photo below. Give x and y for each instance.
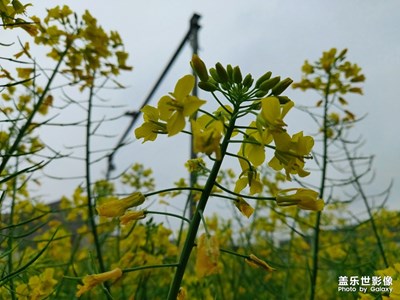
(303, 198)
(90, 281)
(290, 152)
(151, 126)
(181, 294)
(256, 262)
(116, 208)
(244, 207)
(130, 216)
(251, 178)
(178, 105)
(272, 114)
(207, 256)
(171, 112)
(206, 139)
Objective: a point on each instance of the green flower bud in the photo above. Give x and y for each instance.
(269, 83)
(260, 80)
(225, 86)
(260, 93)
(237, 75)
(222, 74)
(256, 105)
(199, 67)
(229, 71)
(207, 86)
(248, 81)
(358, 78)
(342, 54)
(214, 75)
(281, 86)
(211, 80)
(18, 7)
(283, 99)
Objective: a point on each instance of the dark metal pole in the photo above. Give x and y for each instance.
(194, 41)
(194, 26)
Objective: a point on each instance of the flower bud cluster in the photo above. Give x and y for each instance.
(230, 80)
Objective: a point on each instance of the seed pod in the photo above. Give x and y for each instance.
(260, 80)
(222, 74)
(248, 81)
(269, 83)
(207, 86)
(237, 75)
(199, 67)
(281, 86)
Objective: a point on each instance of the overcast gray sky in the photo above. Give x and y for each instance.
(259, 36)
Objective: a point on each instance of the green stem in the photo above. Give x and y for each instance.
(90, 203)
(153, 212)
(173, 190)
(365, 200)
(194, 225)
(11, 233)
(22, 132)
(315, 260)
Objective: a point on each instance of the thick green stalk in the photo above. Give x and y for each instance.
(195, 222)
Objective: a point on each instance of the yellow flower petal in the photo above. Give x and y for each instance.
(207, 256)
(166, 106)
(116, 208)
(255, 262)
(181, 294)
(184, 86)
(90, 281)
(303, 198)
(241, 183)
(244, 207)
(175, 124)
(191, 104)
(132, 216)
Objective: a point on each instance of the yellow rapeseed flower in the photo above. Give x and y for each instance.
(251, 178)
(181, 294)
(174, 109)
(116, 208)
(207, 256)
(254, 143)
(244, 207)
(303, 198)
(130, 216)
(207, 139)
(290, 152)
(90, 281)
(272, 114)
(256, 262)
(151, 126)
